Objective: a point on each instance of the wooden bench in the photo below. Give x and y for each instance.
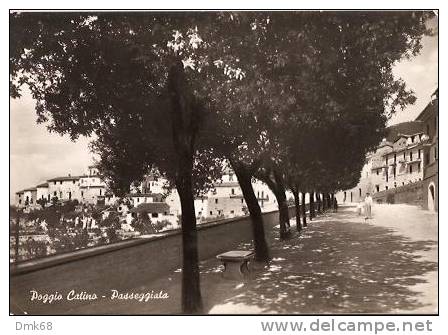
(235, 263)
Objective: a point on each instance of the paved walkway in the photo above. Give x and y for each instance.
(340, 264)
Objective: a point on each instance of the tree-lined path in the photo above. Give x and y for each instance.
(339, 264)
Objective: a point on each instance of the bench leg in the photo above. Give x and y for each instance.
(235, 270)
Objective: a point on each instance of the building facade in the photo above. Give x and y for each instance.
(397, 161)
(405, 161)
(429, 116)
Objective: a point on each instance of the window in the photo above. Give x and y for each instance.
(410, 155)
(232, 212)
(395, 158)
(138, 199)
(82, 193)
(155, 215)
(360, 193)
(55, 183)
(69, 195)
(394, 169)
(55, 194)
(233, 191)
(211, 212)
(74, 181)
(377, 188)
(387, 187)
(419, 153)
(418, 167)
(242, 200)
(395, 184)
(216, 201)
(404, 155)
(410, 168)
(377, 172)
(60, 182)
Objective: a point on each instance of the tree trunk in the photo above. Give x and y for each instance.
(186, 113)
(280, 194)
(283, 214)
(304, 209)
(312, 214)
(17, 236)
(319, 202)
(295, 192)
(324, 202)
(277, 187)
(191, 290)
(260, 246)
(282, 204)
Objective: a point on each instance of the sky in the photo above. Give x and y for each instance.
(37, 155)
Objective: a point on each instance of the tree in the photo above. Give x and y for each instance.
(42, 202)
(341, 114)
(115, 74)
(142, 223)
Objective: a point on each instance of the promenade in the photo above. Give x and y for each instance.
(341, 263)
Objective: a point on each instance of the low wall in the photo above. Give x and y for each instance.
(407, 194)
(123, 265)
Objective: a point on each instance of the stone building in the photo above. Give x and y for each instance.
(397, 162)
(64, 188)
(429, 117)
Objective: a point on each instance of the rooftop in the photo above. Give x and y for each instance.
(151, 207)
(65, 178)
(149, 195)
(30, 189)
(432, 106)
(409, 128)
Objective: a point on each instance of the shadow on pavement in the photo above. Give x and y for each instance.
(334, 267)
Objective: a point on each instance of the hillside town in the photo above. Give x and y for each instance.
(87, 204)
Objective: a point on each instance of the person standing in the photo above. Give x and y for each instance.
(368, 201)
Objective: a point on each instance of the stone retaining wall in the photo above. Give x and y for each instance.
(122, 265)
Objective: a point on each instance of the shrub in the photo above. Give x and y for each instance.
(390, 198)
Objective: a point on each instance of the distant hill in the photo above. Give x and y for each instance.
(406, 128)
